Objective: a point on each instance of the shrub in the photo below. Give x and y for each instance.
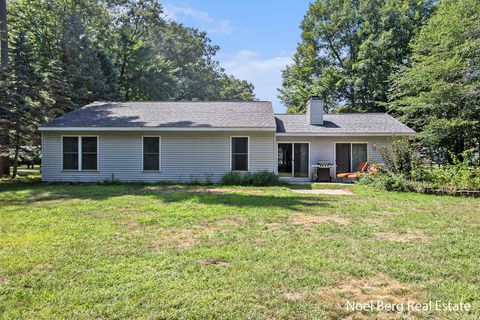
(394, 182)
(456, 176)
(406, 172)
(387, 181)
(398, 156)
(450, 178)
(261, 178)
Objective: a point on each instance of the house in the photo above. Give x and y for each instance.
(198, 141)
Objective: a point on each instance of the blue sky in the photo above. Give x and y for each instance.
(257, 38)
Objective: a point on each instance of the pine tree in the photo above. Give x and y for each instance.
(59, 90)
(23, 90)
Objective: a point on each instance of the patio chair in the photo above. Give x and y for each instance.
(354, 175)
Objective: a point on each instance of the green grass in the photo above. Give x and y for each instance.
(24, 175)
(176, 251)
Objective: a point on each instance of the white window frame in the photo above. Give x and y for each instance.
(351, 152)
(159, 153)
(79, 137)
(248, 153)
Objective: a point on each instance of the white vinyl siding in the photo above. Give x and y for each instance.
(184, 156)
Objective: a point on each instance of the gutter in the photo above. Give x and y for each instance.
(333, 134)
(150, 129)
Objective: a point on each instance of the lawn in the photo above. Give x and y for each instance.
(178, 251)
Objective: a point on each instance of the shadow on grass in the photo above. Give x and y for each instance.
(164, 193)
(24, 176)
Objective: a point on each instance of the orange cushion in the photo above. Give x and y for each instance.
(354, 175)
(362, 166)
(343, 175)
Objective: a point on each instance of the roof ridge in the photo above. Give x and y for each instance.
(332, 114)
(347, 113)
(171, 101)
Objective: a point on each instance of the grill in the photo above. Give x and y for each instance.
(324, 164)
(321, 171)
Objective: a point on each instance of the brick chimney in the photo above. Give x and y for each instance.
(315, 110)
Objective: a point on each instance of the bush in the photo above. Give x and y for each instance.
(398, 156)
(261, 178)
(394, 182)
(461, 175)
(406, 172)
(387, 181)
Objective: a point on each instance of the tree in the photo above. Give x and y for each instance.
(234, 89)
(439, 93)
(348, 51)
(82, 59)
(138, 21)
(76, 52)
(59, 89)
(4, 33)
(4, 161)
(22, 96)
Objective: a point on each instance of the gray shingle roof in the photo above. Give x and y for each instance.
(343, 123)
(214, 114)
(223, 114)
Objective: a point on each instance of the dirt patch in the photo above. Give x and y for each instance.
(43, 266)
(377, 222)
(204, 190)
(402, 237)
(216, 262)
(379, 288)
(295, 296)
(211, 190)
(345, 192)
(223, 191)
(132, 227)
(188, 238)
(310, 220)
(372, 290)
(3, 281)
(181, 238)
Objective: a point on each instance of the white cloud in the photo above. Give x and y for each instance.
(211, 25)
(174, 12)
(223, 27)
(265, 74)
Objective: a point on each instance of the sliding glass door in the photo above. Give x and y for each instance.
(348, 156)
(285, 159)
(293, 160)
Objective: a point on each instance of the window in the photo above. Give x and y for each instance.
(80, 153)
(151, 153)
(348, 156)
(239, 147)
(89, 153)
(70, 153)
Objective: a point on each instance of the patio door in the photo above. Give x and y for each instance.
(293, 161)
(348, 156)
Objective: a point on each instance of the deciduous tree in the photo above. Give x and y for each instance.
(348, 51)
(439, 93)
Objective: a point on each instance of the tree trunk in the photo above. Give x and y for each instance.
(4, 166)
(15, 161)
(4, 160)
